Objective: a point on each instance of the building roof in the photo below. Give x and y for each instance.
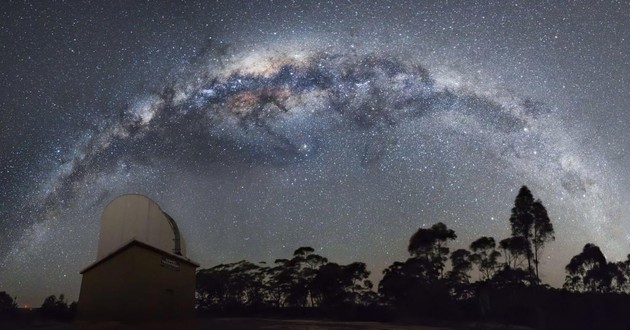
(134, 242)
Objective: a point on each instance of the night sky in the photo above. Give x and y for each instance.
(264, 126)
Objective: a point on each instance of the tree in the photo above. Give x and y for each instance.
(8, 305)
(305, 263)
(399, 279)
(429, 244)
(230, 285)
(281, 279)
(418, 282)
(406, 286)
(360, 288)
(522, 220)
(327, 287)
(514, 251)
(288, 283)
(530, 221)
(458, 277)
(509, 277)
(460, 266)
(213, 286)
(335, 284)
(624, 269)
(56, 308)
(485, 256)
(306, 278)
(589, 271)
(542, 232)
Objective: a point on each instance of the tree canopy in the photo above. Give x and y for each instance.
(530, 221)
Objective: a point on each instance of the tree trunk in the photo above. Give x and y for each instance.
(529, 255)
(536, 263)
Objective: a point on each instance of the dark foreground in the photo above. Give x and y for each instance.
(251, 323)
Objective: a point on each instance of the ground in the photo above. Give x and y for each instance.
(249, 323)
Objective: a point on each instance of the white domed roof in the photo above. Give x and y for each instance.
(137, 217)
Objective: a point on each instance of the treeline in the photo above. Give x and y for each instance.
(508, 289)
(305, 280)
(53, 308)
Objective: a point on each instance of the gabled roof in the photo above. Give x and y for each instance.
(134, 242)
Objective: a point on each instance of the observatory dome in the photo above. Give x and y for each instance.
(134, 216)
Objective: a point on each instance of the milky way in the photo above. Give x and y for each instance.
(329, 140)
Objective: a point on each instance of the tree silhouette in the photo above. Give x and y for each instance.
(509, 277)
(305, 264)
(8, 305)
(418, 284)
(485, 256)
(429, 245)
(624, 270)
(281, 279)
(458, 277)
(522, 220)
(542, 232)
(530, 221)
(396, 283)
(289, 283)
(460, 266)
(413, 287)
(230, 285)
(514, 251)
(57, 308)
(327, 287)
(589, 271)
(360, 288)
(336, 285)
(303, 251)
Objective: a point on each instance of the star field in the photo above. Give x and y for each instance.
(265, 126)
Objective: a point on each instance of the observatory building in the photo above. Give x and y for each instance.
(141, 272)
